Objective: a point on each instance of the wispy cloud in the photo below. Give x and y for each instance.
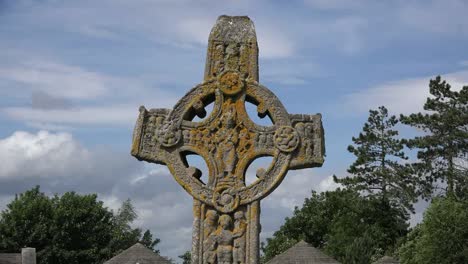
(105, 115)
(336, 4)
(404, 96)
(58, 96)
(437, 16)
(56, 79)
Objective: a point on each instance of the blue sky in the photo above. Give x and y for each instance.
(73, 74)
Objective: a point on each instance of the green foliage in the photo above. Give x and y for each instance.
(75, 218)
(365, 231)
(368, 219)
(148, 241)
(442, 237)
(186, 257)
(378, 170)
(26, 221)
(71, 228)
(444, 145)
(351, 228)
(311, 223)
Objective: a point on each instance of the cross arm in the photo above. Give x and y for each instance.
(311, 150)
(145, 144)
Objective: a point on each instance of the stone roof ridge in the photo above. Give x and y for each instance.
(303, 243)
(138, 253)
(303, 253)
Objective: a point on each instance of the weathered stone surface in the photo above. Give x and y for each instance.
(28, 256)
(226, 210)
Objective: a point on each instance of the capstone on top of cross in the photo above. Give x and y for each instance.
(232, 37)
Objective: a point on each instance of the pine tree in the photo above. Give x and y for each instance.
(379, 170)
(442, 150)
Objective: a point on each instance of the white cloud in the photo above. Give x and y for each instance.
(328, 184)
(40, 155)
(404, 96)
(59, 161)
(302, 182)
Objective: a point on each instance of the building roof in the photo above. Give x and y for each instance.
(387, 260)
(302, 253)
(138, 254)
(10, 258)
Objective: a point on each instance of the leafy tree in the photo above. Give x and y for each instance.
(186, 257)
(344, 224)
(71, 228)
(378, 170)
(26, 221)
(442, 237)
(81, 228)
(444, 143)
(366, 231)
(148, 241)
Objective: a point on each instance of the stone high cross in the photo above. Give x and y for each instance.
(226, 210)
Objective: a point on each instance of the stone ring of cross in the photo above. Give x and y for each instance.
(228, 140)
(225, 207)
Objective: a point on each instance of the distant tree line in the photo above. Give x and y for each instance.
(71, 228)
(367, 217)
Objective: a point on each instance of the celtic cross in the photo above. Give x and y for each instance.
(226, 224)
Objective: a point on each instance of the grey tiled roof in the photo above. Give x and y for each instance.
(138, 254)
(302, 253)
(10, 258)
(387, 260)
